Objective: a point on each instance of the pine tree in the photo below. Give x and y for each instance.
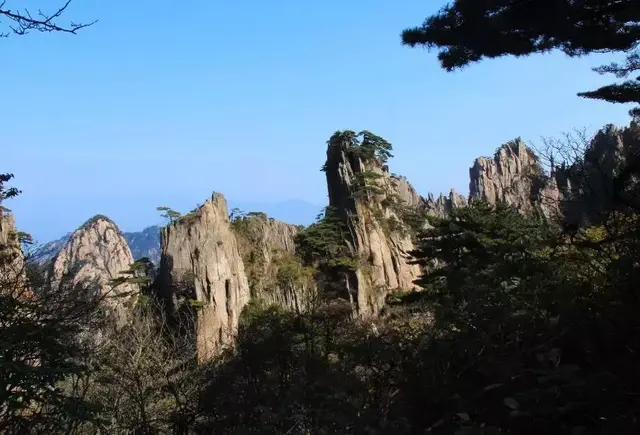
(468, 31)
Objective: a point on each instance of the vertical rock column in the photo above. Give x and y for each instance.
(382, 252)
(200, 265)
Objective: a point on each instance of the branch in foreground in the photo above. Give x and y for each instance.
(24, 22)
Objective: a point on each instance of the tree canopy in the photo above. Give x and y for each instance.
(468, 31)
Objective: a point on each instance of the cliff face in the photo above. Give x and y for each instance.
(507, 177)
(405, 191)
(95, 254)
(366, 196)
(515, 176)
(200, 265)
(605, 178)
(576, 192)
(275, 275)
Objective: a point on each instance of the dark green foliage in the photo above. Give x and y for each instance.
(468, 31)
(24, 238)
(365, 145)
(40, 346)
(625, 92)
(7, 192)
(372, 145)
(522, 318)
(293, 374)
(235, 214)
(325, 242)
(257, 214)
(325, 246)
(364, 187)
(141, 273)
(483, 249)
(169, 214)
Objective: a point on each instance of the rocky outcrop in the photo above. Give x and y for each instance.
(201, 267)
(575, 192)
(442, 206)
(515, 176)
(509, 176)
(11, 257)
(275, 275)
(405, 192)
(365, 195)
(145, 243)
(95, 254)
(605, 178)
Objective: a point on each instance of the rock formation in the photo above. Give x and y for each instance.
(577, 191)
(145, 243)
(442, 206)
(274, 274)
(510, 176)
(201, 266)
(95, 254)
(605, 178)
(366, 196)
(405, 191)
(11, 257)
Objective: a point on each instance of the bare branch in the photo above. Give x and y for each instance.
(23, 22)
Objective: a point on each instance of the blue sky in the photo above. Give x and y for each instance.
(161, 103)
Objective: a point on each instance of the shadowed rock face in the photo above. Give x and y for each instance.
(201, 265)
(275, 275)
(574, 192)
(605, 178)
(95, 254)
(382, 253)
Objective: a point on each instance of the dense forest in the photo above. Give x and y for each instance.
(521, 321)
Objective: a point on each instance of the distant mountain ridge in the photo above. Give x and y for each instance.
(145, 243)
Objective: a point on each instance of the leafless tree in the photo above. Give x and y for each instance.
(146, 378)
(595, 174)
(20, 21)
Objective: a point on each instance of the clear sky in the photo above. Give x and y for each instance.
(160, 103)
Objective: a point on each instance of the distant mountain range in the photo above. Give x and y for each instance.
(145, 243)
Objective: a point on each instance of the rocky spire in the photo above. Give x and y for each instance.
(367, 198)
(510, 176)
(442, 206)
(201, 267)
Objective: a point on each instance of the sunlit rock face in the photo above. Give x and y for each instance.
(95, 254)
(201, 265)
